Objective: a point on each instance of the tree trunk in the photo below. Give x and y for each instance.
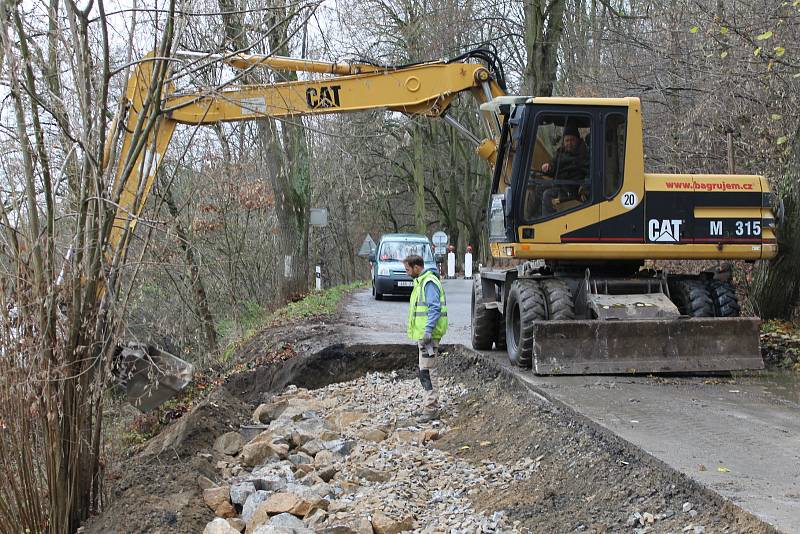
(202, 310)
(418, 169)
(544, 26)
(776, 284)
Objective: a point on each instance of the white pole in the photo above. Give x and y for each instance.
(451, 265)
(468, 266)
(318, 276)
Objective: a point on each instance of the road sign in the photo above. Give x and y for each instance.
(367, 247)
(440, 243)
(318, 217)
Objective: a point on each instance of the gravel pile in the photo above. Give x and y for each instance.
(350, 457)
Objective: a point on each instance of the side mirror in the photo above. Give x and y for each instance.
(372, 257)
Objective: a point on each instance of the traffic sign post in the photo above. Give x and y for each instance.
(439, 240)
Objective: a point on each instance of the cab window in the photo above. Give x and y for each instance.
(400, 250)
(559, 177)
(614, 153)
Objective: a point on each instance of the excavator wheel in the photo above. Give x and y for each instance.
(692, 297)
(484, 320)
(723, 296)
(526, 304)
(500, 340)
(560, 306)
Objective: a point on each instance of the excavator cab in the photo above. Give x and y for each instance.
(571, 201)
(572, 165)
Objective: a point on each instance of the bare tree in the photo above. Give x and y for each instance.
(57, 210)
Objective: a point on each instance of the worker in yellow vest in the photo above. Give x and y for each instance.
(427, 323)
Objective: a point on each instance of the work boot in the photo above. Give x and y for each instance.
(427, 417)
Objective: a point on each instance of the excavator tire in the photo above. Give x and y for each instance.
(526, 304)
(560, 306)
(692, 297)
(484, 320)
(500, 340)
(723, 296)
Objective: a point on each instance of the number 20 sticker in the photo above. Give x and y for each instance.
(629, 200)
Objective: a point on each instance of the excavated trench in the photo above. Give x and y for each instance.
(587, 479)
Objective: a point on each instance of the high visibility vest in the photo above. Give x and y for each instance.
(418, 310)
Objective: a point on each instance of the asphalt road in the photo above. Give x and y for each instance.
(740, 437)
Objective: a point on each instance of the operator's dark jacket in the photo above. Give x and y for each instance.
(570, 166)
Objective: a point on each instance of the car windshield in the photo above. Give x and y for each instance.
(400, 250)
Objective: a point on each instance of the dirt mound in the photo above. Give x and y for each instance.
(588, 479)
(156, 490)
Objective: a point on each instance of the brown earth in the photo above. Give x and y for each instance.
(587, 479)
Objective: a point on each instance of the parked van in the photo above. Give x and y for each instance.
(388, 273)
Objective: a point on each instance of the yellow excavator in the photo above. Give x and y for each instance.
(570, 200)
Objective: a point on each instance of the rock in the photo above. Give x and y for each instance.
(205, 482)
(409, 436)
(270, 529)
(252, 503)
(311, 479)
(268, 482)
(219, 526)
(259, 517)
(633, 520)
(372, 475)
(342, 447)
(298, 409)
(348, 486)
(327, 473)
(342, 419)
(329, 435)
(360, 525)
(290, 502)
(279, 504)
(302, 470)
(229, 443)
(241, 491)
(692, 513)
(282, 449)
(323, 490)
(374, 435)
(307, 430)
(286, 521)
(430, 435)
(312, 447)
(265, 413)
(218, 499)
(299, 458)
(316, 517)
(687, 506)
(699, 529)
(259, 452)
(648, 518)
(383, 524)
(237, 524)
(324, 458)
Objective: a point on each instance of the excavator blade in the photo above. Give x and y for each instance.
(676, 345)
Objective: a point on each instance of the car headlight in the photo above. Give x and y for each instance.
(383, 270)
